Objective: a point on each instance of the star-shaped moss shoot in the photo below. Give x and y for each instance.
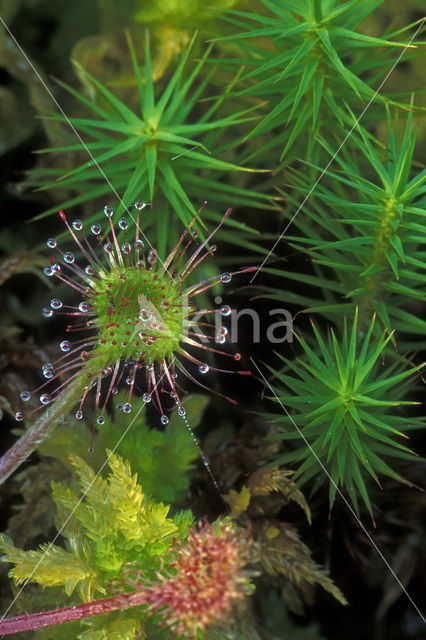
(136, 312)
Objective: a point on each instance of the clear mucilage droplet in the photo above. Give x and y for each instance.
(78, 225)
(108, 212)
(96, 229)
(164, 419)
(225, 310)
(69, 257)
(25, 396)
(55, 303)
(123, 223)
(51, 243)
(65, 345)
(225, 278)
(203, 368)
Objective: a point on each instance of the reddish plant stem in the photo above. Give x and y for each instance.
(33, 621)
(38, 432)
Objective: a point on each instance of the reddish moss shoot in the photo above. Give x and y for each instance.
(209, 579)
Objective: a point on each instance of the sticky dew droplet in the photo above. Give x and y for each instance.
(225, 278)
(65, 345)
(225, 310)
(96, 229)
(78, 225)
(51, 243)
(164, 419)
(69, 257)
(203, 368)
(25, 396)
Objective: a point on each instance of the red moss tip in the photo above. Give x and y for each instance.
(208, 580)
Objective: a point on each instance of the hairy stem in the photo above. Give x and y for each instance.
(33, 621)
(27, 443)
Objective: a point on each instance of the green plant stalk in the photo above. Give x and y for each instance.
(374, 282)
(39, 431)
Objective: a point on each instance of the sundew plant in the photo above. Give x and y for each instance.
(212, 336)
